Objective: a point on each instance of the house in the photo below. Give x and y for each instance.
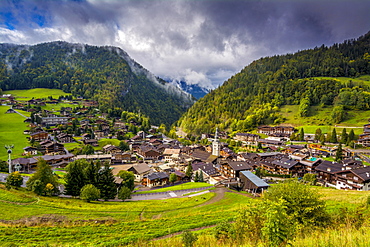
(210, 173)
(29, 151)
(326, 172)
(140, 170)
(92, 142)
(39, 136)
(54, 120)
(203, 156)
(247, 137)
(120, 157)
(155, 179)
(148, 153)
(111, 149)
(65, 138)
(231, 169)
(281, 131)
(286, 166)
(354, 179)
(252, 183)
(52, 147)
(171, 154)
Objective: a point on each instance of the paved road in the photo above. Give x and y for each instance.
(165, 195)
(3, 177)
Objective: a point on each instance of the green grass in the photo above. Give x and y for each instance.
(11, 132)
(319, 117)
(37, 93)
(105, 141)
(185, 186)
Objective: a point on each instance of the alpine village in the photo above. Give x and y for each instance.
(100, 152)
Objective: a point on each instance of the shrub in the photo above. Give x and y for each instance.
(89, 193)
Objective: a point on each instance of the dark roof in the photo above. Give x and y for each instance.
(208, 169)
(327, 166)
(286, 163)
(239, 165)
(157, 175)
(249, 155)
(363, 173)
(202, 155)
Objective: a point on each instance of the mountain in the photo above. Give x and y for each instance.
(193, 89)
(106, 74)
(255, 95)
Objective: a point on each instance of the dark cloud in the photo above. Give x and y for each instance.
(201, 41)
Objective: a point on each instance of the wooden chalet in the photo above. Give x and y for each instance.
(148, 153)
(29, 151)
(247, 137)
(155, 179)
(140, 170)
(92, 142)
(39, 136)
(281, 131)
(232, 169)
(354, 179)
(326, 172)
(286, 166)
(65, 138)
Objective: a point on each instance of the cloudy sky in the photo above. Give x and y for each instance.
(200, 41)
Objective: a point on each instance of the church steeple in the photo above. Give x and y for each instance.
(216, 145)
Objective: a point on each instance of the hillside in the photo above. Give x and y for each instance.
(323, 76)
(105, 74)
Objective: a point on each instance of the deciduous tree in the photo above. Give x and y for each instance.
(43, 176)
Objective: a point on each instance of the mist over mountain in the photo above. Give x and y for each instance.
(195, 90)
(106, 74)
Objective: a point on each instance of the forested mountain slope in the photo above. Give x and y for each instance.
(253, 96)
(106, 74)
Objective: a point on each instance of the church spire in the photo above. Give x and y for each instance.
(216, 145)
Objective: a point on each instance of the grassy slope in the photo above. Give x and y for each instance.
(11, 132)
(190, 185)
(126, 221)
(37, 93)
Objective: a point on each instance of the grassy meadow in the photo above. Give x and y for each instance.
(36, 93)
(319, 117)
(29, 220)
(11, 132)
(185, 186)
(34, 221)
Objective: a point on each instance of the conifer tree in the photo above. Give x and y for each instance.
(333, 138)
(196, 177)
(301, 135)
(201, 178)
(339, 153)
(106, 185)
(351, 135)
(91, 173)
(318, 134)
(75, 177)
(344, 136)
(189, 171)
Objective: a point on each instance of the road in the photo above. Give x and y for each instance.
(3, 177)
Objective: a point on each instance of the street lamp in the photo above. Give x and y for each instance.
(9, 148)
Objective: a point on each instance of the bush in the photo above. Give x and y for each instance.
(89, 193)
(124, 193)
(189, 238)
(14, 180)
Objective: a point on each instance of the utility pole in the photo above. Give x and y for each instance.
(9, 150)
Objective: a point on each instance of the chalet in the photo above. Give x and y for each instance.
(155, 142)
(326, 172)
(29, 151)
(25, 164)
(140, 170)
(95, 157)
(155, 179)
(252, 183)
(354, 179)
(52, 147)
(148, 153)
(268, 143)
(10, 110)
(210, 173)
(203, 156)
(99, 134)
(52, 121)
(86, 136)
(231, 169)
(111, 149)
(26, 132)
(121, 157)
(247, 137)
(65, 138)
(180, 176)
(309, 165)
(39, 136)
(171, 154)
(247, 156)
(286, 166)
(227, 153)
(282, 131)
(92, 142)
